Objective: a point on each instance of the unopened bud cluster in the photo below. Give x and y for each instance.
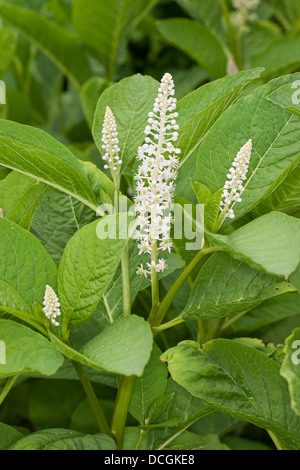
(51, 305)
(156, 175)
(233, 187)
(110, 142)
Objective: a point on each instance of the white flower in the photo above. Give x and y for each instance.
(156, 174)
(1, 213)
(233, 187)
(244, 13)
(51, 305)
(110, 142)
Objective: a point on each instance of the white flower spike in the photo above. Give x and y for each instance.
(244, 13)
(233, 187)
(156, 175)
(110, 143)
(51, 305)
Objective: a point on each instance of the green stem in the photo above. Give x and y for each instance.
(93, 400)
(141, 437)
(167, 301)
(215, 329)
(126, 386)
(154, 286)
(124, 259)
(7, 388)
(233, 39)
(126, 282)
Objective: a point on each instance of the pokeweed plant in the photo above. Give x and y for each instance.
(124, 301)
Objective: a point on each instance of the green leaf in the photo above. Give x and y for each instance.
(104, 27)
(295, 278)
(88, 266)
(130, 100)
(25, 264)
(286, 198)
(210, 13)
(270, 312)
(226, 287)
(238, 380)
(290, 369)
(191, 36)
(41, 165)
(123, 347)
(90, 93)
(42, 439)
(283, 54)
(259, 37)
(287, 97)
(183, 406)
(199, 110)
(60, 45)
(8, 43)
(149, 387)
(256, 244)
(57, 218)
(273, 155)
(88, 442)
(8, 435)
(27, 352)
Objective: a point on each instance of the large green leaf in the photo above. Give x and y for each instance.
(123, 347)
(270, 243)
(238, 380)
(286, 198)
(104, 26)
(210, 13)
(130, 101)
(290, 369)
(63, 439)
(199, 110)
(57, 218)
(283, 54)
(27, 157)
(198, 42)
(149, 387)
(8, 435)
(287, 97)
(87, 267)
(184, 407)
(25, 264)
(27, 352)
(275, 134)
(270, 312)
(227, 287)
(60, 45)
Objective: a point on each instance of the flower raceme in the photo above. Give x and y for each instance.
(155, 178)
(244, 13)
(51, 305)
(233, 187)
(110, 143)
